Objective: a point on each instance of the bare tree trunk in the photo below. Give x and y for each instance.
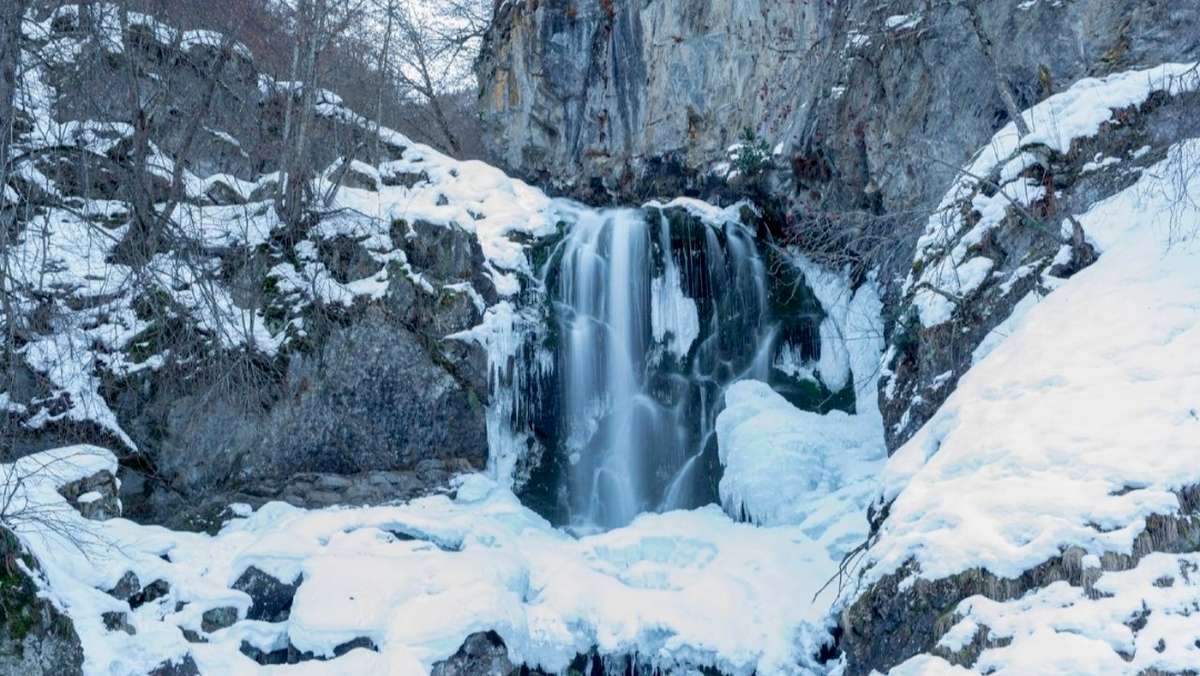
(189, 135)
(285, 166)
(10, 58)
(989, 53)
(294, 183)
(143, 239)
(384, 52)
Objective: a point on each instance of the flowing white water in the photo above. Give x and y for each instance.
(641, 382)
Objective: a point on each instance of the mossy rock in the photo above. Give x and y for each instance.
(35, 638)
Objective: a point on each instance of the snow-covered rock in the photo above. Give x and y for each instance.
(1067, 453)
(399, 589)
(1002, 235)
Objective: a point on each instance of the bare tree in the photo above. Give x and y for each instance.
(435, 53)
(11, 15)
(318, 23)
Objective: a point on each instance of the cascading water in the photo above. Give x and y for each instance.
(655, 315)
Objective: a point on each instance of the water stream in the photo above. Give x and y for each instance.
(655, 315)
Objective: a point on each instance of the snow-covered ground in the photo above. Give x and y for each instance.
(1076, 426)
(679, 589)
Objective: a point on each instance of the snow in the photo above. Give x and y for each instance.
(1102, 375)
(63, 254)
(945, 268)
(503, 333)
(470, 195)
(663, 587)
(1005, 328)
(851, 333)
(66, 358)
(1096, 633)
(674, 318)
(709, 214)
(936, 305)
(901, 22)
(787, 466)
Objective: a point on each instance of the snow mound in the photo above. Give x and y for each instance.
(787, 466)
(1081, 423)
(416, 579)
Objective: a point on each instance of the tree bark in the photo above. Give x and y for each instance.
(10, 58)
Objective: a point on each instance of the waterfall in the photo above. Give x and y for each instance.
(654, 318)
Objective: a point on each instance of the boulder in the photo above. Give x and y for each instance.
(215, 619)
(96, 497)
(481, 654)
(35, 637)
(271, 599)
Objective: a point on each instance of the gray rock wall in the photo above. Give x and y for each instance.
(582, 96)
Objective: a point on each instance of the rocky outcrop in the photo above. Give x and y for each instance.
(35, 636)
(872, 107)
(1027, 253)
(903, 614)
(316, 366)
(95, 497)
(379, 406)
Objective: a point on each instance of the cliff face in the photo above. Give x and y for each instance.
(869, 108)
(594, 96)
(599, 97)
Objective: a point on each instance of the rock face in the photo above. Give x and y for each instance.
(926, 357)
(35, 637)
(870, 108)
(857, 93)
(382, 406)
(481, 654)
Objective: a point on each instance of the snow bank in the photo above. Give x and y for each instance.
(471, 195)
(787, 466)
(1061, 628)
(682, 589)
(1079, 424)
